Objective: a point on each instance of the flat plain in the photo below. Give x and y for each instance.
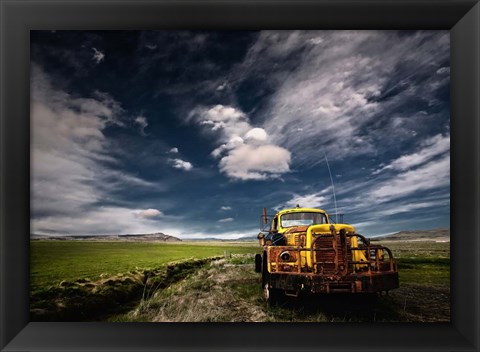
(215, 281)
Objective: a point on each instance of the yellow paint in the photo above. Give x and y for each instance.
(312, 232)
(278, 216)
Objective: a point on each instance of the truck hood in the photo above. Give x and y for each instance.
(325, 228)
(320, 228)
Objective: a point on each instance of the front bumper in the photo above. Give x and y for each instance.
(354, 283)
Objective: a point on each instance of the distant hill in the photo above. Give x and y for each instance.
(439, 235)
(214, 239)
(248, 238)
(147, 237)
(159, 236)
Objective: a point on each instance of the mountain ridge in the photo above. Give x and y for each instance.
(141, 237)
(441, 234)
(436, 234)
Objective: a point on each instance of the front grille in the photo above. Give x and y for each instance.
(326, 249)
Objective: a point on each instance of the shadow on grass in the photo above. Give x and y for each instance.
(336, 308)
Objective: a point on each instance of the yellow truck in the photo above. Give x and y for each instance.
(305, 251)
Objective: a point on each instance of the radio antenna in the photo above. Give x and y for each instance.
(333, 188)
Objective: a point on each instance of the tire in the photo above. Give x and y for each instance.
(271, 295)
(258, 263)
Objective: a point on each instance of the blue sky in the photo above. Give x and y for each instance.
(193, 133)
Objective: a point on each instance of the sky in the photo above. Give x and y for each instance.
(192, 133)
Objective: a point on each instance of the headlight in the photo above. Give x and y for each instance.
(285, 256)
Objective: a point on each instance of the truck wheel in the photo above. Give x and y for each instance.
(271, 295)
(264, 269)
(258, 263)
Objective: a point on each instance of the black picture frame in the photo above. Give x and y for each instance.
(461, 17)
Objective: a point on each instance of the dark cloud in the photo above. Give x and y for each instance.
(158, 130)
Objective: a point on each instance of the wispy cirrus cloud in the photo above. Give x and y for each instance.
(425, 171)
(75, 170)
(431, 148)
(342, 87)
(142, 123)
(309, 200)
(253, 106)
(432, 175)
(98, 56)
(226, 220)
(106, 220)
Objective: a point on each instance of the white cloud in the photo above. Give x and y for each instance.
(333, 88)
(222, 86)
(148, 213)
(225, 120)
(73, 166)
(225, 208)
(225, 235)
(431, 148)
(443, 70)
(256, 162)
(226, 220)
(122, 220)
(375, 203)
(392, 195)
(100, 221)
(432, 175)
(315, 41)
(233, 143)
(174, 150)
(258, 134)
(312, 200)
(181, 164)
(406, 207)
(142, 123)
(98, 56)
(249, 158)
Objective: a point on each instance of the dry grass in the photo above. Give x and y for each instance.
(85, 299)
(228, 290)
(208, 295)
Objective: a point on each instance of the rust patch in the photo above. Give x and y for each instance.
(331, 266)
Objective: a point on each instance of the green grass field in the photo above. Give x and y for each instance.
(422, 263)
(132, 281)
(54, 261)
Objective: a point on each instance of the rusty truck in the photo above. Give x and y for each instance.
(305, 250)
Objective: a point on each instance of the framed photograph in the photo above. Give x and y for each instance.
(175, 172)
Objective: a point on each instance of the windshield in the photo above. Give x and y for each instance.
(302, 219)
